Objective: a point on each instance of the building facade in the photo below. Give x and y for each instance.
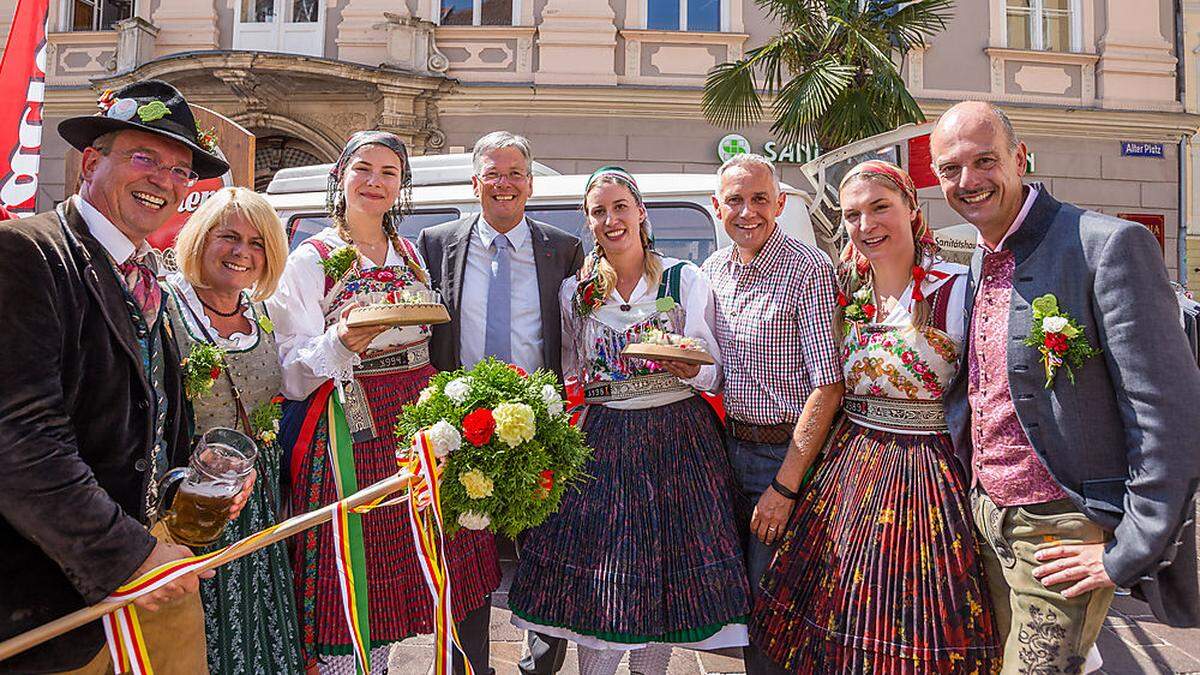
(1095, 87)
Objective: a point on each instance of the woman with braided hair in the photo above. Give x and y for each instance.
(646, 555)
(878, 571)
(360, 378)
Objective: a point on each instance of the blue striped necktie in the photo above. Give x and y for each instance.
(498, 338)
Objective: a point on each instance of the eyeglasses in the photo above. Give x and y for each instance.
(493, 177)
(181, 175)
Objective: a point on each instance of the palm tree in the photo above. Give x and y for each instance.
(830, 69)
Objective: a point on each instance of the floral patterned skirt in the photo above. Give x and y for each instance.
(398, 600)
(878, 571)
(647, 548)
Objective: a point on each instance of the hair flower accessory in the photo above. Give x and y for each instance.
(1059, 338)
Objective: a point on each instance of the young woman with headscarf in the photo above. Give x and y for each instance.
(377, 370)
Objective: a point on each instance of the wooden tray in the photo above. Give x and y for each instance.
(397, 315)
(653, 352)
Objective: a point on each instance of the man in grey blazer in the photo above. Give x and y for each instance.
(1081, 480)
(499, 273)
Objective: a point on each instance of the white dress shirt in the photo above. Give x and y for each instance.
(310, 350)
(526, 307)
(113, 240)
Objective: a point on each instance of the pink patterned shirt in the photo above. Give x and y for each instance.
(1004, 461)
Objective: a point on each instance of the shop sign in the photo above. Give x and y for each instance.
(1139, 149)
(1155, 222)
(794, 153)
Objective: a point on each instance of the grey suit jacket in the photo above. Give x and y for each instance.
(1122, 440)
(444, 247)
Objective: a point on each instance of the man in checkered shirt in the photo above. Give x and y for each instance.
(781, 366)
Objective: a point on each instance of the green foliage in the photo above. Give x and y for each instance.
(830, 70)
(201, 367)
(339, 262)
(518, 501)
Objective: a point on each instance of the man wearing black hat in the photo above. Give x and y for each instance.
(91, 403)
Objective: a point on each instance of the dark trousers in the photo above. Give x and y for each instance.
(475, 638)
(754, 466)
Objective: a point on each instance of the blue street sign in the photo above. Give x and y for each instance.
(1138, 149)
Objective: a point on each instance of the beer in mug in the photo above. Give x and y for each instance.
(215, 474)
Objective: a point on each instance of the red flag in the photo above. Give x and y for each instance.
(22, 92)
(919, 162)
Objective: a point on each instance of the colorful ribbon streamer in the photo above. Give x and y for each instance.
(349, 555)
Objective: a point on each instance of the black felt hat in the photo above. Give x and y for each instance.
(151, 106)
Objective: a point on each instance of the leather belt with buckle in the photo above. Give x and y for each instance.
(767, 434)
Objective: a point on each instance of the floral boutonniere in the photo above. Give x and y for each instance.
(1059, 338)
(339, 262)
(206, 138)
(857, 308)
(201, 367)
(587, 297)
(264, 421)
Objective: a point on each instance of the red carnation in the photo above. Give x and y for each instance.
(869, 310)
(518, 369)
(214, 373)
(547, 480)
(842, 300)
(478, 427)
(589, 292)
(1056, 342)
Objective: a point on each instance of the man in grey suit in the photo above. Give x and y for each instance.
(499, 273)
(1081, 480)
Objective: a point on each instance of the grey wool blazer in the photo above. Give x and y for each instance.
(1122, 439)
(557, 255)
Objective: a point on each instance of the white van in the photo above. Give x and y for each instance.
(679, 205)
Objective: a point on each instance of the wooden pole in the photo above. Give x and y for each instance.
(70, 622)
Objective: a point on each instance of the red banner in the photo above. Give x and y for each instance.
(22, 92)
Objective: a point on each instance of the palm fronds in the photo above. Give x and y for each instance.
(831, 70)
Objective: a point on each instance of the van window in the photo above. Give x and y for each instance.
(304, 225)
(681, 230)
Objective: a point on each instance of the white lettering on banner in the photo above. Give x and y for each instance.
(194, 200)
(798, 153)
(21, 184)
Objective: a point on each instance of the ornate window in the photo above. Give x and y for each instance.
(291, 26)
(480, 13)
(689, 15)
(88, 15)
(1044, 25)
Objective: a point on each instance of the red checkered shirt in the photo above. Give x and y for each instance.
(774, 328)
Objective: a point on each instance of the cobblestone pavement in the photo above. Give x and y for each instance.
(1132, 643)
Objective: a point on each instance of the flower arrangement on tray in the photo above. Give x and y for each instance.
(508, 441)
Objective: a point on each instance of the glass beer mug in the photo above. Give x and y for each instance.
(215, 474)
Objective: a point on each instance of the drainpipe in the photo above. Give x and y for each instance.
(1181, 90)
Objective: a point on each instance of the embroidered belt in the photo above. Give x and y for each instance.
(357, 408)
(896, 414)
(620, 390)
(398, 360)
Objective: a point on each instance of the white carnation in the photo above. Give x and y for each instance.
(552, 400)
(1054, 324)
(457, 389)
(474, 521)
(445, 437)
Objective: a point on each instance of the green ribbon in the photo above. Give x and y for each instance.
(341, 447)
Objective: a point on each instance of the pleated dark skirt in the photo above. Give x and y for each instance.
(398, 600)
(646, 550)
(879, 571)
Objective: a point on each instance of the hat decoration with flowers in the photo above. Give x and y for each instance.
(149, 106)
